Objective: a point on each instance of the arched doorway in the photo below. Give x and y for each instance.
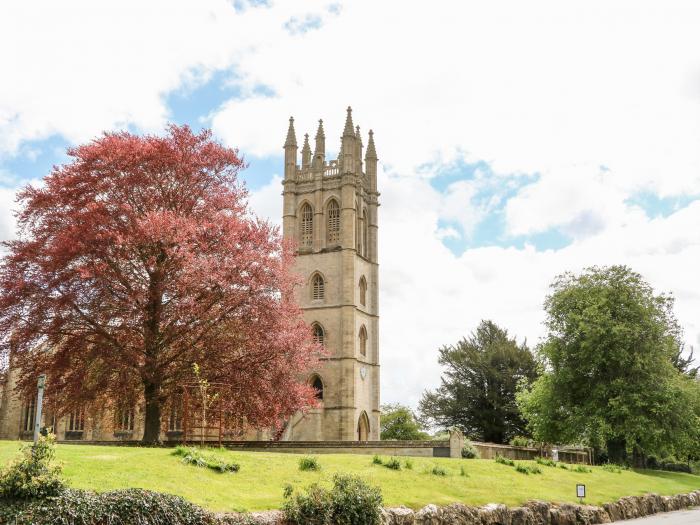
(363, 427)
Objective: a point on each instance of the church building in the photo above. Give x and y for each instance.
(330, 213)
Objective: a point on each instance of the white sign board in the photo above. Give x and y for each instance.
(581, 491)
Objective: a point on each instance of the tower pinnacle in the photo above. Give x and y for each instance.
(348, 132)
(371, 152)
(306, 152)
(291, 134)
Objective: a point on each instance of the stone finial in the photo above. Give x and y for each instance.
(348, 132)
(320, 151)
(291, 135)
(306, 152)
(371, 153)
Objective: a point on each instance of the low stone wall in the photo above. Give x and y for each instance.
(567, 455)
(531, 513)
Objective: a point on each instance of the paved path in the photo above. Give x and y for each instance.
(681, 517)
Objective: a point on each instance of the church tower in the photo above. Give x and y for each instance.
(330, 212)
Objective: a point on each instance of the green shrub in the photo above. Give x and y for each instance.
(469, 451)
(308, 463)
(534, 469)
(522, 469)
(393, 464)
(463, 472)
(520, 441)
(408, 464)
(33, 474)
(563, 466)
(121, 507)
(582, 469)
(350, 501)
(194, 456)
(376, 460)
(504, 461)
(438, 471)
(612, 467)
(546, 462)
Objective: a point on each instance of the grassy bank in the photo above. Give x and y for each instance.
(262, 477)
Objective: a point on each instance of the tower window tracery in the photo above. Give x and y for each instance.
(333, 225)
(318, 287)
(319, 334)
(307, 226)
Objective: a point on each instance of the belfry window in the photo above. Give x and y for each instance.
(318, 287)
(363, 291)
(317, 384)
(333, 224)
(319, 334)
(307, 226)
(363, 340)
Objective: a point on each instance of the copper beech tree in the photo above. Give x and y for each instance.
(139, 258)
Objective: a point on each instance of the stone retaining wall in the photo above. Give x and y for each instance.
(531, 513)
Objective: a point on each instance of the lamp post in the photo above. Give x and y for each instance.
(39, 400)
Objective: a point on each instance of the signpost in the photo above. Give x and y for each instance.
(580, 492)
(39, 400)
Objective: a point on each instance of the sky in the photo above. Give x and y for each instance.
(517, 140)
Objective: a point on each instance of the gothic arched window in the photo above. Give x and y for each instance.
(318, 287)
(306, 239)
(319, 334)
(333, 224)
(317, 384)
(363, 340)
(363, 291)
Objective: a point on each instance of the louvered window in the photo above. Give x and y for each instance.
(307, 226)
(318, 290)
(319, 335)
(333, 222)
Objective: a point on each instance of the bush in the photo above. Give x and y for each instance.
(469, 451)
(393, 464)
(376, 460)
(582, 470)
(121, 507)
(194, 456)
(463, 472)
(563, 466)
(520, 441)
(438, 471)
(528, 469)
(504, 461)
(546, 462)
(522, 469)
(350, 501)
(408, 464)
(309, 463)
(612, 467)
(33, 475)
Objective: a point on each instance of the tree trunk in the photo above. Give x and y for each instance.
(151, 434)
(617, 450)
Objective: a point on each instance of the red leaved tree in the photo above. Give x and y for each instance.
(139, 258)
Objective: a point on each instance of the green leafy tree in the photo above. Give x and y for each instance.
(612, 379)
(481, 378)
(399, 422)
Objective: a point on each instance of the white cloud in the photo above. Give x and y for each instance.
(548, 88)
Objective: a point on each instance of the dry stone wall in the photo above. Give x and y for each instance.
(531, 513)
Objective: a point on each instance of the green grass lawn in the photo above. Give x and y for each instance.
(262, 477)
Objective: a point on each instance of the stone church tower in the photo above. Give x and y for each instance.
(330, 212)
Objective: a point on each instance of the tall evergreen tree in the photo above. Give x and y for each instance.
(477, 395)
